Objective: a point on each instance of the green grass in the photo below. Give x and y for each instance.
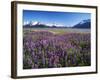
(58, 30)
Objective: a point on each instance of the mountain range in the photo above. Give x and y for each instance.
(83, 24)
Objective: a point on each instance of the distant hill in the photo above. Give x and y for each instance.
(35, 26)
(41, 25)
(83, 24)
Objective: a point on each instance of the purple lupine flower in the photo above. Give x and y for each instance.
(45, 49)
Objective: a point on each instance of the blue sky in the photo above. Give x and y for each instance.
(50, 17)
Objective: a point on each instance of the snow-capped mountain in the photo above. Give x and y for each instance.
(83, 24)
(84, 21)
(33, 24)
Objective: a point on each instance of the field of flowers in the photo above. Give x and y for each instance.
(45, 49)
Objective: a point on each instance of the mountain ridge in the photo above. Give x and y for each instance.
(82, 24)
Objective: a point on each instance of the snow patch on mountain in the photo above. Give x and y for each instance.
(84, 21)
